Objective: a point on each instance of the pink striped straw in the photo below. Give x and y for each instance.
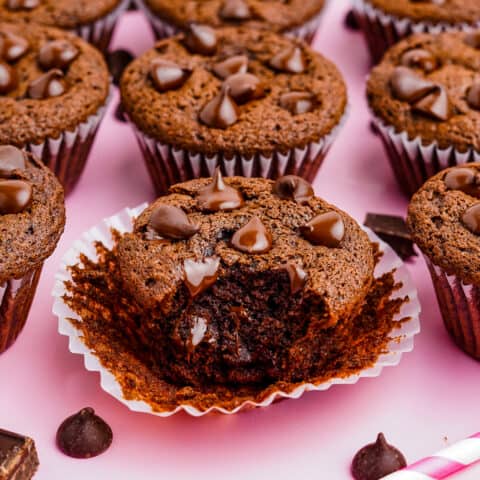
(451, 460)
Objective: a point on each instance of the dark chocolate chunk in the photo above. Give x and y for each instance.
(117, 62)
(22, 4)
(351, 21)
(253, 237)
(84, 435)
(244, 87)
(472, 39)
(48, 85)
(465, 180)
(326, 229)
(12, 47)
(172, 222)
(235, 10)
(473, 96)
(11, 158)
(200, 275)
(298, 277)
(297, 102)
(291, 187)
(420, 58)
(15, 196)
(8, 78)
(471, 218)
(435, 104)
(57, 54)
(231, 66)
(201, 39)
(376, 460)
(392, 230)
(18, 456)
(221, 111)
(290, 60)
(219, 196)
(168, 75)
(408, 86)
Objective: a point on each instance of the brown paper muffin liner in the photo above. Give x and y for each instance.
(413, 162)
(460, 307)
(163, 29)
(382, 30)
(16, 296)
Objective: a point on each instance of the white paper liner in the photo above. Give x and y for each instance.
(402, 338)
(413, 162)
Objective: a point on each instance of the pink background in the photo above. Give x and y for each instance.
(427, 402)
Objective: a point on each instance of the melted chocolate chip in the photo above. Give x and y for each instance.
(218, 196)
(472, 39)
(172, 222)
(168, 75)
(200, 275)
(297, 102)
(235, 10)
(291, 187)
(297, 276)
(84, 435)
(326, 229)
(231, 66)
(408, 86)
(57, 54)
(22, 4)
(11, 159)
(471, 219)
(473, 96)
(465, 180)
(290, 60)
(8, 78)
(48, 85)
(435, 105)
(244, 87)
(15, 196)
(117, 62)
(12, 47)
(419, 58)
(253, 237)
(376, 460)
(221, 111)
(201, 39)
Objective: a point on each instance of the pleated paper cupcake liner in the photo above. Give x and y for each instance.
(460, 307)
(16, 296)
(382, 30)
(413, 163)
(67, 154)
(401, 337)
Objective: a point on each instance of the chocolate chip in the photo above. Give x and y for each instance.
(218, 196)
(252, 238)
(117, 62)
(200, 275)
(168, 75)
(471, 218)
(231, 66)
(435, 105)
(84, 435)
(50, 84)
(244, 87)
(221, 111)
(235, 10)
(22, 4)
(466, 180)
(472, 39)
(351, 21)
(8, 78)
(15, 196)
(297, 102)
(326, 229)
(201, 39)
(11, 159)
(291, 187)
(57, 54)
(376, 460)
(291, 60)
(171, 222)
(12, 47)
(420, 58)
(473, 96)
(297, 276)
(408, 86)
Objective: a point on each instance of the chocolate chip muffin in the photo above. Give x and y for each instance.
(53, 93)
(425, 97)
(299, 18)
(32, 217)
(444, 220)
(252, 102)
(385, 22)
(94, 21)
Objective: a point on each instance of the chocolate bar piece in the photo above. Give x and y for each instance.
(18, 456)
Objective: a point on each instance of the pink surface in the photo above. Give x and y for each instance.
(429, 401)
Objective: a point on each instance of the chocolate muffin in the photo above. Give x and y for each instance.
(32, 217)
(299, 18)
(425, 98)
(93, 20)
(53, 93)
(253, 102)
(385, 22)
(444, 219)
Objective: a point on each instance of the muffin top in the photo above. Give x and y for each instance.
(206, 229)
(444, 219)
(447, 11)
(429, 86)
(276, 15)
(233, 90)
(32, 213)
(66, 14)
(50, 82)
